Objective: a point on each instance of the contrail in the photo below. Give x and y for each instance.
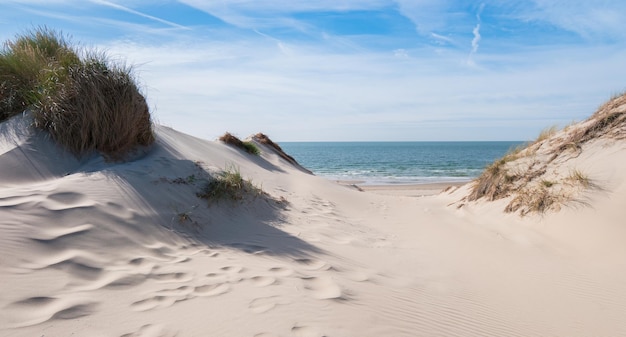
(132, 11)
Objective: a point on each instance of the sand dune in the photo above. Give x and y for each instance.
(89, 248)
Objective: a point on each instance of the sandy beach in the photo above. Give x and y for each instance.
(90, 248)
(411, 190)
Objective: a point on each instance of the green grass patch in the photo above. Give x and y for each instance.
(247, 146)
(229, 184)
(81, 98)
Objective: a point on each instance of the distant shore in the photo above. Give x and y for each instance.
(413, 190)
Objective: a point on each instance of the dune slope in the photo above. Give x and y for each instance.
(90, 248)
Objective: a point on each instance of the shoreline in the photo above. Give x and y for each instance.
(412, 190)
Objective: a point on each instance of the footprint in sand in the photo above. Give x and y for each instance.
(249, 248)
(172, 277)
(265, 304)
(67, 198)
(126, 281)
(281, 271)
(36, 310)
(313, 264)
(164, 298)
(211, 289)
(232, 274)
(233, 269)
(51, 234)
(151, 330)
(305, 331)
(263, 281)
(322, 288)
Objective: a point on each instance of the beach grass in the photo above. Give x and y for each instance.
(229, 184)
(84, 100)
(247, 146)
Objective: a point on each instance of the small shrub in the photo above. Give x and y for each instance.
(230, 185)
(547, 183)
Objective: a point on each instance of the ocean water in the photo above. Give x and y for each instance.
(397, 162)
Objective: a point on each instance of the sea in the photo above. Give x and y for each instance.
(374, 163)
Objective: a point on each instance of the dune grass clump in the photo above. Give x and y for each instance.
(609, 121)
(27, 64)
(536, 200)
(496, 180)
(249, 147)
(264, 139)
(579, 178)
(229, 184)
(82, 99)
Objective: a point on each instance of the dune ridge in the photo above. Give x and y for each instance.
(94, 248)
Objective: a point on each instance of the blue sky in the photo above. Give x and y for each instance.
(335, 70)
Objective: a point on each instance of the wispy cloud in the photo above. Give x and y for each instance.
(132, 11)
(411, 80)
(477, 37)
(428, 15)
(592, 20)
(276, 13)
(375, 96)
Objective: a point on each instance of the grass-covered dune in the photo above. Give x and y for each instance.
(551, 172)
(84, 100)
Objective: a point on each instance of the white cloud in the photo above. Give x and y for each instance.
(476, 39)
(132, 11)
(428, 15)
(443, 39)
(315, 94)
(274, 13)
(590, 19)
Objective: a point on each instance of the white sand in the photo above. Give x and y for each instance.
(95, 249)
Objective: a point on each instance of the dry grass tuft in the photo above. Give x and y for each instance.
(496, 180)
(26, 62)
(546, 133)
(249, 147)
(85, 104)
(264, 139)
(579, 178)
(522, 173)
(535, 200)
(608, 121)
(230, 185)
(98, 108)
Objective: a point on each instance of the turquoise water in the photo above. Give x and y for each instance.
(397, 162)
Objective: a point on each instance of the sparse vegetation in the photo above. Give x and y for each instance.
(264, 139)
(546, 133)
(85, 103)
(495, 181)
(230, 185)
(608, 121)
(535, 200)
(249, 147)
(522, 176)
(579, 178)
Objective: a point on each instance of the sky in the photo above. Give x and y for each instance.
(354, 70)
